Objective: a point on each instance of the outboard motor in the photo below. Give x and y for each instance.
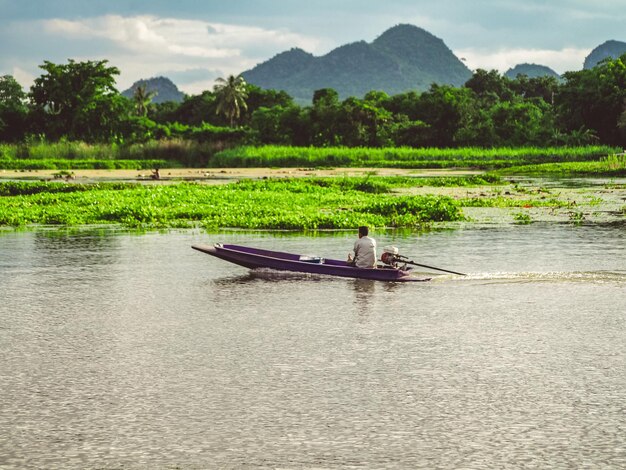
(390, 256)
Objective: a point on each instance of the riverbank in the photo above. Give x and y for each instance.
(213, 175)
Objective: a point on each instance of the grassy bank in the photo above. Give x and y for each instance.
(67, 155)
(60, 164)
(277, 156)
(611, 166)
(295, 204)
(187, 153)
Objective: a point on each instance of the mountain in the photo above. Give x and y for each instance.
(164, 87)
(531, 71)
(401, 59)
(281, 67)
(612, 49)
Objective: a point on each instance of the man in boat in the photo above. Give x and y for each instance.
(364, 250)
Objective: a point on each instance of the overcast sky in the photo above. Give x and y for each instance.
(194, 41)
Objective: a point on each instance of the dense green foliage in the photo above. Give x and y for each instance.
(231, 95)
(595, 100)
(141, 99)
(296, 204)
(13, 110)
(77, 101)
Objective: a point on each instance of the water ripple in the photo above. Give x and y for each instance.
(135, 351)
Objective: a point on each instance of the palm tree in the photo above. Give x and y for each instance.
(142, 98)
(231, 96)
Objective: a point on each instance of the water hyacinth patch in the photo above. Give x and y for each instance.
(285, 204)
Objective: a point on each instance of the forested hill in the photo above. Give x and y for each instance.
(401, 59)
(165, 90)
(612, 49)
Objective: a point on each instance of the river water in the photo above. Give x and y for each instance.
(126, 350)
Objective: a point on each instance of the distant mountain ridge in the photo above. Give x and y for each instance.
(613, 49)
(403, 58)
(165, 90)
(531, 71)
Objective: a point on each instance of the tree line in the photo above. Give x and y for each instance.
(79, 101)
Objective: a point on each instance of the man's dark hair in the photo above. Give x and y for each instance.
(363, 230)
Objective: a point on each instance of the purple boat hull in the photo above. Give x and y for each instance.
(254, 258)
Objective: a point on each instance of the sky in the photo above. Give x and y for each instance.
(192, 42)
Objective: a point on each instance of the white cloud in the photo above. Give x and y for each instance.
(143, 34)
(147, 45)
(568, 59)
(23, 77)
(490, 34)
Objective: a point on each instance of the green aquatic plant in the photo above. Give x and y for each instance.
(522, 218)
(503, 201)
(484, 179)
(594, 200)
(19, 188)
(286, 204)
(416, 208)
(577, 217)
